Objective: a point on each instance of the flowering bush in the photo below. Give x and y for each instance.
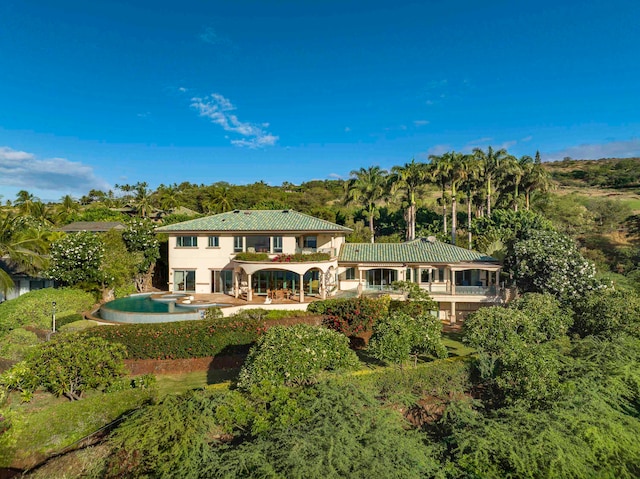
(295, 355)
(301, 257)
(351, 316)
(549, 262)
(77, 258)
(139, 236)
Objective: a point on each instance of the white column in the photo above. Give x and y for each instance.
(250, 290)
(236, 284)
(452, 319)
(301, 288)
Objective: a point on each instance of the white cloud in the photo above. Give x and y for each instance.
(420, 122)
(594, 151)
(25, 170)
(335, 176)
(438, 149)
(527, 138)
(182, 89)
(347, 129)
(218, 109)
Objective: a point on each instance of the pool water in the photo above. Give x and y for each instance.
(144, 304)
(142, 308)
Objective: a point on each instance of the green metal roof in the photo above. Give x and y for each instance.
(419, 251)
(256, 220)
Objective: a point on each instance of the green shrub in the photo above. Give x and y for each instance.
(67, 366)
(607, 313)
(247, 256)
(35, 308)
(16, 343)
(295, 355)
(351, 316)
(399, 335)
(181, 340)
(550, 320)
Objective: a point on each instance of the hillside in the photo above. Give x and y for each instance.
(616, 173)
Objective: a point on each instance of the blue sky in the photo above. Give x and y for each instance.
(95, 93)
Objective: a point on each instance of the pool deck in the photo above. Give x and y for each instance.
(257, 300)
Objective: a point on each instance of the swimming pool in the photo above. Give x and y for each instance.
(153, 308)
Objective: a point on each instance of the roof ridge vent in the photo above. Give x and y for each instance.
(431, 239)
(236, 211)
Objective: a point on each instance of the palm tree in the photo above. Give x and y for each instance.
(367, 187)
(456, 177)
(20, 244)
(142, 198)
(25, 201)
(410, 178)
(491, 161)
(470, 184)
(535, 178)
(66, 208)
(221, 200)
(441, 167)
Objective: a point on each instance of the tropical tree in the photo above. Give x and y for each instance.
(66, 209)
(491, 161)
(441, 167)
(469, 184)
(25, 202)
(535, 178)
(456, 177)
(368, 187)
(21, 244)
(411, 179)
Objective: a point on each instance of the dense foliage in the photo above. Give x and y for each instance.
(77, 258)
(327, 431)
(295, 356)
(399, 335)
(66, 366)
(351, 316)
(180, 340)
(549, 262)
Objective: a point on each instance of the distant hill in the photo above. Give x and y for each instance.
(603, 173)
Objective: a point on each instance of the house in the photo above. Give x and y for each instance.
(222, 254)
(22, 281)
(91, 226)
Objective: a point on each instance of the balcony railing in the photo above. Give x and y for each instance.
(476, 290)
(330, 251)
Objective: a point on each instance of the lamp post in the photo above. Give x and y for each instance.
(53, 315)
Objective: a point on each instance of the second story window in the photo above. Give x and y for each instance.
(187, 241)
(238, 244)
(310, 242)
(277, 244)
(214, 241)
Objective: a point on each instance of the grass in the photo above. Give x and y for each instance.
(48, 424)
(179, 383)
(455, 346)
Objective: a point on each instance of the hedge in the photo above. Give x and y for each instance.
(351, 316)
(182, 340)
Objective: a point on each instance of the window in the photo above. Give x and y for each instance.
(441, 275)
(187, 241)
(259, 244)
(310, 242)
(424, 275)
(214, 241)
(184, 281)
(277, 244)
(350, 273)
(238, 244)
